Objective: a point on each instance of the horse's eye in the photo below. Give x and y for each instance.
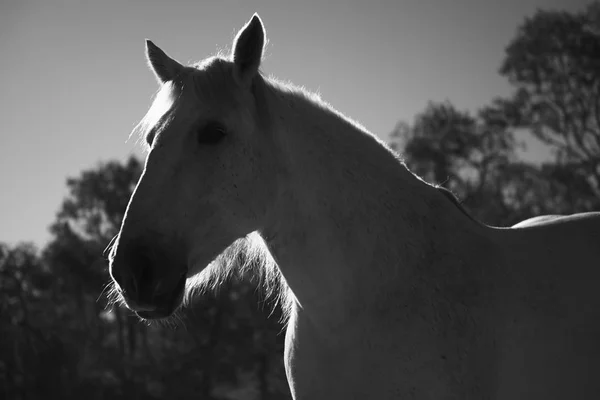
(211, 133)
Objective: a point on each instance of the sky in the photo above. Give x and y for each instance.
(74, 80)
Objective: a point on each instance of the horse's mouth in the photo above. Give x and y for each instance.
(165, 304)
(159, 313)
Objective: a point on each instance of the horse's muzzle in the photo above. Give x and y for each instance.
(151, 284)
(160, 305)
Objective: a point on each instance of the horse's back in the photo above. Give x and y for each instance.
(591, 218)
(563, 251)
(549, 327)
(557, 246)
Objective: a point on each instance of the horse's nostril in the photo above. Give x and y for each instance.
(145, 286)
(131, 286)
(134, 276)
(145, 275)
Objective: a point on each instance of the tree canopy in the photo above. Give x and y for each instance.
(61, 335)
(553, 63)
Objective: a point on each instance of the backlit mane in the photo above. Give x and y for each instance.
(248, 255)
(164, 98)
(301, 93)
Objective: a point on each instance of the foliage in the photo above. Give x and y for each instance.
(60, 338)
(554, 65)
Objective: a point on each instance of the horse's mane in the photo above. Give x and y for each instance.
(248, 256)
(454, 200)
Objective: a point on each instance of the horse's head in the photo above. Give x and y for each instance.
(208, 178)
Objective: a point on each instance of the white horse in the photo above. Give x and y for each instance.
(392, 290)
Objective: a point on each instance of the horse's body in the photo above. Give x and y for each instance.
(513, 314)
(395, 292)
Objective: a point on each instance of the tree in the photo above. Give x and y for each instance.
(441, 140)
(89, 217)
(117, 356)
(554, 64)
(464, 153)
(30, 346)
(98, 198)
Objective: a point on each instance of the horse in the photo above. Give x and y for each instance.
(392, 291)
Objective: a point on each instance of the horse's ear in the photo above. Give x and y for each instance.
(163, 66)
(248, 50)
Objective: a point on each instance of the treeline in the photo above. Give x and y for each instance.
(59, 337)
(553, 64)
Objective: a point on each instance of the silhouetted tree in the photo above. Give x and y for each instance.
(33, 360)
(89, 217)
(554, 64)
(60, 340)
(464, 153)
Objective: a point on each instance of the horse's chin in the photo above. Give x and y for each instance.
(166, 307)
(157, 314)
(161, 312)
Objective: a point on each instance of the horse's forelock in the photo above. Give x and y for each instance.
(163, 100)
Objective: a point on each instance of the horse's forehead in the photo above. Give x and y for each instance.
(207, 91)
(213, 84)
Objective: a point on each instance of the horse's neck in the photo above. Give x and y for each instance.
(350, 220)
